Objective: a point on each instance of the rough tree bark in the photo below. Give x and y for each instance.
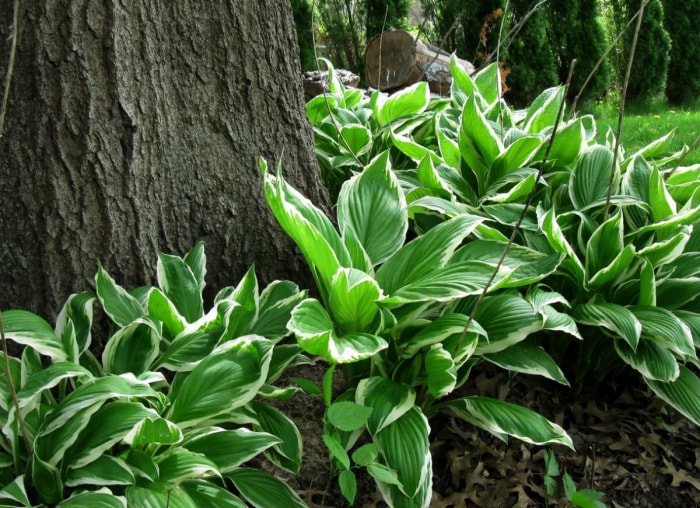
(136, 127)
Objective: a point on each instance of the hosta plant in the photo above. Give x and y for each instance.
(393, 315)
(170, 413)
(613, 243)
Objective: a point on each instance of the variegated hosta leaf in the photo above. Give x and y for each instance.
(652, 360)
(373, 206)
(133, 348)
(440, 371)
(616, 318)
(542, 112)
(184, 495)
(237, 369)
(426, 255)
(107, 427)
(515, 156)
(102, 498)
(288, 452)
(409, 101)
(161, 309)
(263, 490)
(555, 236)
(31, 330)
(16, 492)
(177, 465)
(528, 359)
(389, 401)
(666, 251)
(455, 281)
(179, 283)
(28, 396)
(121, 307)
(478, 142)
(508, 319)
(316, 335)
(276, 303)
(62, 425)
(604, 245)
(682, 393)
(662, 327)
(440, 330)
(105, 470)
(310, 229)
(528, 265)
(352, 300)
(505, 419)
(78, 310)
(405, 447)
(590, 178)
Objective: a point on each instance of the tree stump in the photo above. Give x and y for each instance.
(395, 59)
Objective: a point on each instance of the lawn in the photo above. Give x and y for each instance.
(643, 123)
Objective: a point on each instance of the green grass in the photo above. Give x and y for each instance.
(643, 123)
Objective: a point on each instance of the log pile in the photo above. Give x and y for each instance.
(394, 60)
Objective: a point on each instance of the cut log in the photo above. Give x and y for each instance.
(316, 82)
(395, 59)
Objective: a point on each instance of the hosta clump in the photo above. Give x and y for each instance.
(616, 246)
(171, 412)
(393, 314)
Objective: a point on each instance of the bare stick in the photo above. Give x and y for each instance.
(13, 389)
(600, 62)
(516, 228)
(10, 65)
(621, 112)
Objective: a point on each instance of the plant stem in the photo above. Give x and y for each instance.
(10, 65)
(13, 389)
(516, 228)
(621, 112)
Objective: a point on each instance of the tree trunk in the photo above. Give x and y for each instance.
(136, 127)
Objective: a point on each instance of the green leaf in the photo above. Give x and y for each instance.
(105, 470)
(604, 245)
(78, 310)
(591, 177)
(352, 299)
(664, 328)
(613, 317)
(662, 204)
(98, 499)
(61, 427)
(549, 226)
(348, 416)
(337, 451)
(568, 144)
(120, 306)
(478, 142)
(503, 418)
(488, 82)
(246, 294)
(315, 334)
(288, 452)
(161, 309)
(542, 113)
(507, 319)
(516, 155)
(46, 479)
(205, 494)
(132, 348)
(365, 454)
(358, 138)
(276, 303)
(197, 261)
(528, 265)
(682, 393)
(405, 447)
(528, 359)
(310, 229)
(153, 431)
(409, 101)
(180, 285)
(652, 360)
(426, 255)
(263, 490)
(373, 205)
(462, 84)
(15, 491)
(440, 370)
(106, 428)
(388, 399)
(666, 251)
(179, 464)
(228, 378)
(439, 330)
(31, 330)
(348, 485)
(28, 396)
(187, 350)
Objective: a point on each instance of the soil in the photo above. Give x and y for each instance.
(630, 446)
